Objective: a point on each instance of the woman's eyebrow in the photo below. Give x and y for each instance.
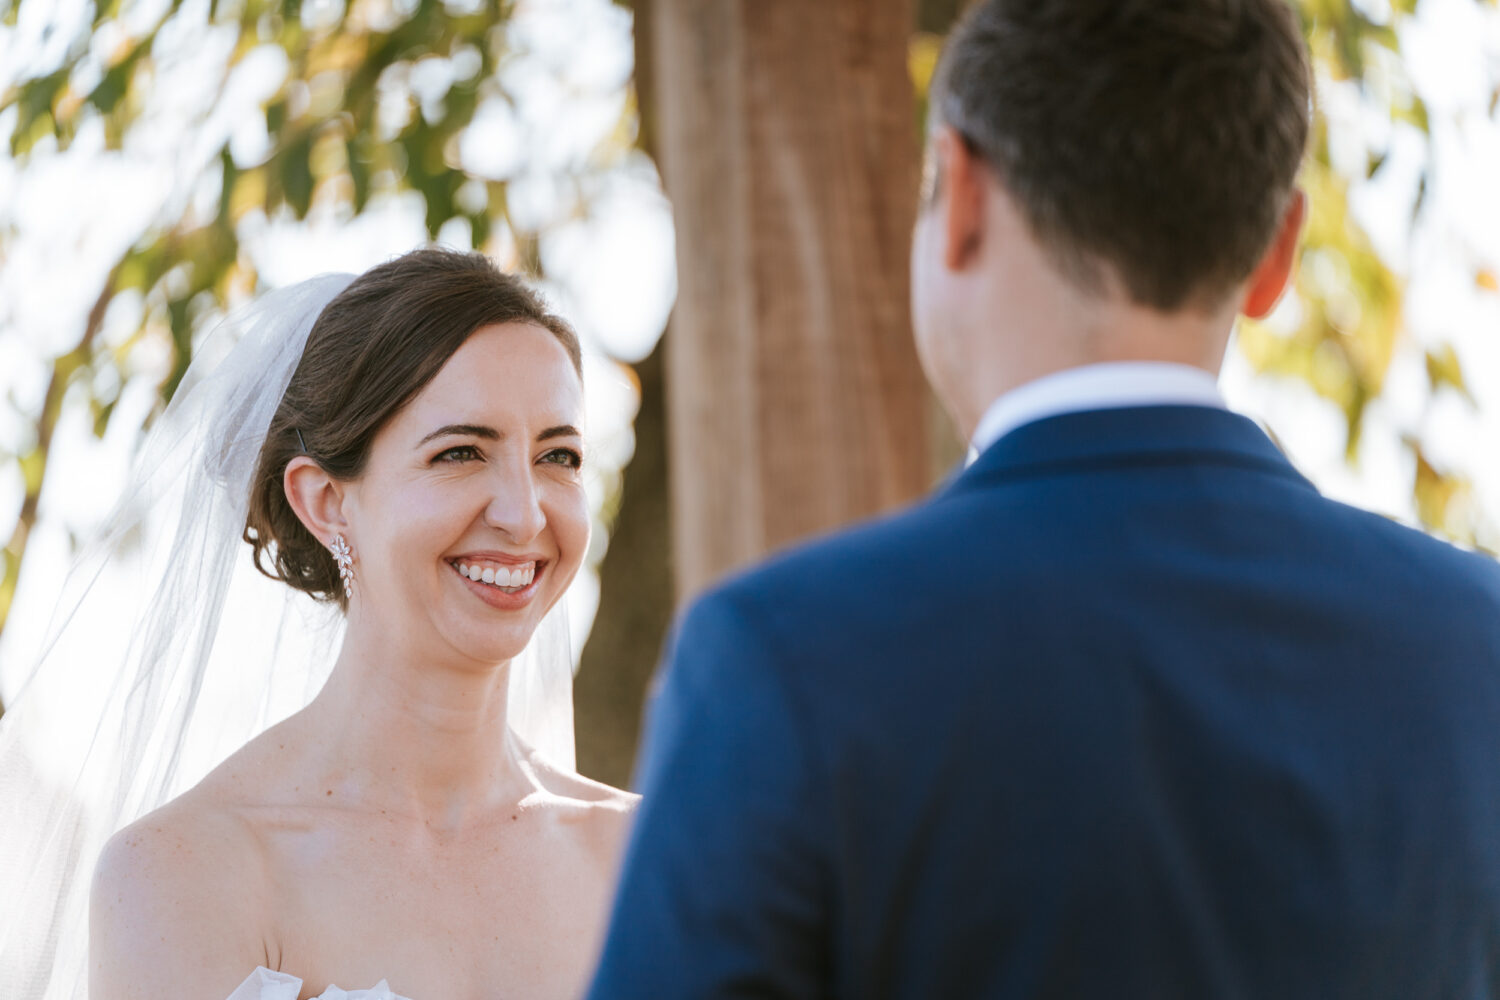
(470, 430)
(562, 430)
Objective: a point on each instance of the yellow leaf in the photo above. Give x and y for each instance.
(1443, 501)
(249, 193)
(67, 104)
(1443, 368)
(1487, 280)
(343, 52)
(922, 59)
(33, 465)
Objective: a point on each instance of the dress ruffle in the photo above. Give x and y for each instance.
(266, 984)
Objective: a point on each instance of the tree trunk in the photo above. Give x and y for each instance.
(795, 402)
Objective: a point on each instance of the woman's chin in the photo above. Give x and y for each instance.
(491, 635)
(491, 645)
(487, 653)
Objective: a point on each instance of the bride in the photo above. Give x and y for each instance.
(422, 471)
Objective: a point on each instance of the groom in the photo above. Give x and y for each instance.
(1127, 710)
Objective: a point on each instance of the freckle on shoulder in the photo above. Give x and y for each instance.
(166, 878)
(199, 835)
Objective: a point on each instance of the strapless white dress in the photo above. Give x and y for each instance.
(264, 984)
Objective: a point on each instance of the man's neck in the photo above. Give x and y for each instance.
(1115, 334)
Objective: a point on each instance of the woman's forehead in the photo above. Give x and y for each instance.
(516, 371)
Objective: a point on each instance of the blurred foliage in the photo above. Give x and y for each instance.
(1350, 303)
(346, 124)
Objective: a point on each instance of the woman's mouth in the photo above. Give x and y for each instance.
(504, 586)
(508, 578)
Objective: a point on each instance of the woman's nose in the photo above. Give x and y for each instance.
(515, 507)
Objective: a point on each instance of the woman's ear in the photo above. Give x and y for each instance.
(316, 497)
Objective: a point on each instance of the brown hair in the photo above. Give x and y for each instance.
(372, 349)
(1159, 139)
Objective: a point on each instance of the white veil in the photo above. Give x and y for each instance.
(143, 683)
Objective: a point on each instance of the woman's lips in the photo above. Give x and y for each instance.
(495, 594)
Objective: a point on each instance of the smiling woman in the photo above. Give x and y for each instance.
(373, 349)
(422, 472)
(480, 469)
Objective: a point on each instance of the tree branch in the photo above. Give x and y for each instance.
(63, 369)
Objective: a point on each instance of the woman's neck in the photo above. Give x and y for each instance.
(416, 737)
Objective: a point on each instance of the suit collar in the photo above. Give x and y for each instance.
(1114, 385)
(1143, 435)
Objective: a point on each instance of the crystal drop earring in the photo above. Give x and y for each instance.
(345, 560)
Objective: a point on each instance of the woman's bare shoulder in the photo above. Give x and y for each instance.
(176, 903)
(179, 896)
(602, 813)
(199, 832)
(595, 795)
(210, 825)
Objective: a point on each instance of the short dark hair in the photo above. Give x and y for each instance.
(1159, 139)
(372, 349)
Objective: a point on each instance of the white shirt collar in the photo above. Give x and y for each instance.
(1096, 387)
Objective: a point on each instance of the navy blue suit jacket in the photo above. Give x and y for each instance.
(1127, 710)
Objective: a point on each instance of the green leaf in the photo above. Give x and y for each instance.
(459, 104)
(359, 172)
(33, 464)
(116, 83)
(141, 269)
(1414, 113)
(1444, 369)
(182, 342)
(276, 116)
(34, 102)
(479, 223)
(1443, 500)
(296, 174)
(21, 141)
(8, 588)
(102, 411)
(231, 176)
(1383, 35)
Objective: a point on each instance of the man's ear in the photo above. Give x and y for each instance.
(316, 498)
(1273, 274)
(961, 198)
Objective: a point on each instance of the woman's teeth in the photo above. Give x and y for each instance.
(504, 577)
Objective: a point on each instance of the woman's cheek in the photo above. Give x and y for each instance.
(572, 526)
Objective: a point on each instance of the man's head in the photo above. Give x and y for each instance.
(1090, 157)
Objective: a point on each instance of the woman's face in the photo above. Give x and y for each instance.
(470, 519)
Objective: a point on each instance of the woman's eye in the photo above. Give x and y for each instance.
(459, 453)
(564, 456)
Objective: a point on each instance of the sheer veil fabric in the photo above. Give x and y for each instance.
(168, 651)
